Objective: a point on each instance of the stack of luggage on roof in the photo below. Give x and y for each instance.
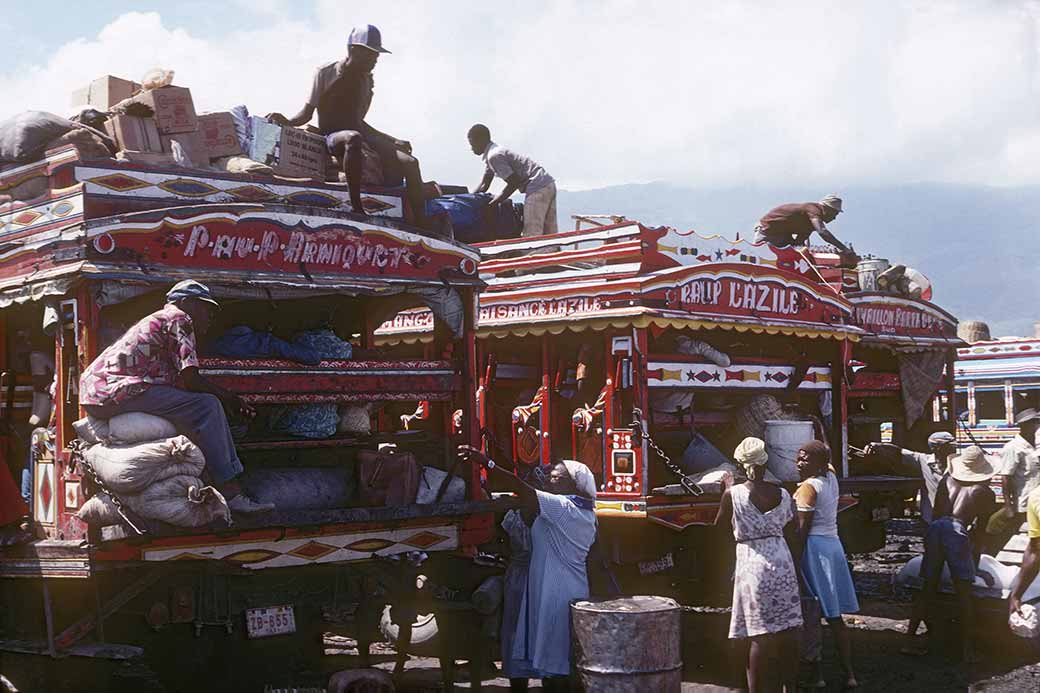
(155, 123)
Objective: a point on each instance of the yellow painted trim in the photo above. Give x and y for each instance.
(396, 340)
(641, 321)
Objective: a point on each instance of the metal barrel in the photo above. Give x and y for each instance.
(628, 644)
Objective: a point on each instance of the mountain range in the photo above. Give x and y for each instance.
(975, 243)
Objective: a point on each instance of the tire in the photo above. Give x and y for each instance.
(424, 629)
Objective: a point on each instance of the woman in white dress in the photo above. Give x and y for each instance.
(767, 611)
(561, 536)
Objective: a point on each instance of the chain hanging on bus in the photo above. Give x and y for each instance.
(639, 433)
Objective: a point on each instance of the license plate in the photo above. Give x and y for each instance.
(880, 514)
(272, 620)
(661, 564)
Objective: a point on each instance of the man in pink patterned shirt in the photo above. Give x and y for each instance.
(154, 368)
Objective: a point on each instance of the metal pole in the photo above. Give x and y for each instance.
(49, 618)
(951, 391)
(839, 408)
(100, 627)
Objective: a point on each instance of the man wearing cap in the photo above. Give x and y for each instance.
(154, 368)
(962, 503)
(342, 94)
(519, 173)
(793, 223)
(930, 465)
(1019, 472)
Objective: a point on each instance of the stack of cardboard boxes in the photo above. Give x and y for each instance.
(202, 138)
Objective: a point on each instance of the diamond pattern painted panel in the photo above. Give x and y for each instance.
(100, 180)
(349, 546)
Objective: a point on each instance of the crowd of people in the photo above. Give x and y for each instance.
(790, 568)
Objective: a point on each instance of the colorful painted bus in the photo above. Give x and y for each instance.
(97, 251)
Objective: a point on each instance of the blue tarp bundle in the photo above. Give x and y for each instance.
(243, 342)
(472, 220)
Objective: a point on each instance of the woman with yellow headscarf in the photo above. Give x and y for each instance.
(767, 611)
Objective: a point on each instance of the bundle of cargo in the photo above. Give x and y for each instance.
(154, 472)
(155, 123)
(26, 136)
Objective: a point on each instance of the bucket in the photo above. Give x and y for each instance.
(783, 438)
(628, 645)
(868, 270)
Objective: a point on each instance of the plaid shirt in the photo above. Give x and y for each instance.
(152, 352)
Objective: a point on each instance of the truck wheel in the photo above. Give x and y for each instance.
(423, 630)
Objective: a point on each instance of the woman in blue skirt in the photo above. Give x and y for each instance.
(824, 567)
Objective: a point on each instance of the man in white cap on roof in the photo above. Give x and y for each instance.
(154, 368)
(930, 465)
(793, 223)
(962, 504)
(342, 94)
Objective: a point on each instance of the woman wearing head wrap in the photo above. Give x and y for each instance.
(824, 567)
(561, 536)
(766, 603)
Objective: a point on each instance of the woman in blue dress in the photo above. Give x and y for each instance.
(825, 569)
(563, 531)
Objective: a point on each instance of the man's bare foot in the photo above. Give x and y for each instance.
(851, 682)
(357, 206)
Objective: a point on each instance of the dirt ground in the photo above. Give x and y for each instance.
(1009, 664)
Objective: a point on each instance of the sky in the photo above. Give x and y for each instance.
(690, 92)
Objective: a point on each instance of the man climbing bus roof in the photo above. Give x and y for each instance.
(793, 223)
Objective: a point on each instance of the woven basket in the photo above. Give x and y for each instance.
(750, 420)
(972, 331)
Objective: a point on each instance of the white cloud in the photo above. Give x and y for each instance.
(622, 90)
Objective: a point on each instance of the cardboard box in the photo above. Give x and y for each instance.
(105, 92)
(174, 109)
(147, 158)
(193, 144)
(289, 151)
(134, 134)
(218, 130)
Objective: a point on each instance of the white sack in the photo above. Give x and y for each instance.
(131, 469)
(180, 500)
(430, 483)
(138, 427)
(1026, 625)
(99, 510)
(91, 430)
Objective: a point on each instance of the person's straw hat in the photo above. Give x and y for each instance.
(972, 466)
(1026, 415)
(832, 201)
